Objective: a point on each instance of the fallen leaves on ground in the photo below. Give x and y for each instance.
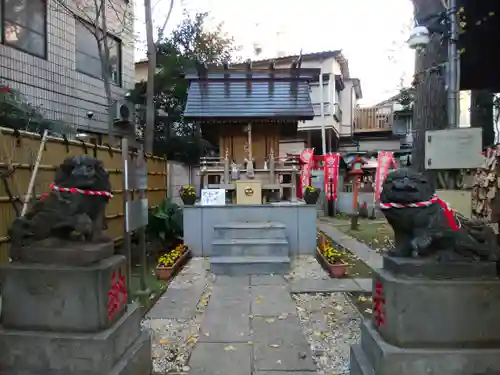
(259, 299)
(229, 348)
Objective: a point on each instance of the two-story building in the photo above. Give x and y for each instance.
(49, 55)
(386, 126)
(334, 97)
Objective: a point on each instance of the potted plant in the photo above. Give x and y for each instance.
(311, 195)
(169, 263)
(331, 259)
(187, 194)
(165, 225)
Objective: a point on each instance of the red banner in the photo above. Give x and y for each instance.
(306, 157)
(385, 160)
(332, 162)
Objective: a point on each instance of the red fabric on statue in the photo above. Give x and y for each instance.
(448, 213)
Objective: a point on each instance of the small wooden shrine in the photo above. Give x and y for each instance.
(247, 111)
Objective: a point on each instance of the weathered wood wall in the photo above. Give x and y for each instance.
(21, 153)
(265, 137)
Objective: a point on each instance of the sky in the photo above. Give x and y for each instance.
(371, 34)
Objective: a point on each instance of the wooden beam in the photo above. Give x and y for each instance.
(248, 65)
(270, 87)
(227, 86)
(248, 68)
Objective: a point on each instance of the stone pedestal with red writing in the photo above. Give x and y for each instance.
(71, 319)
(432, 319)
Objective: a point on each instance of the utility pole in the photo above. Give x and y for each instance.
(453, 67)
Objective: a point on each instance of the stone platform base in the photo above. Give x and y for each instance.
(71, 253)
(374, 356)
(122, 349)
(61, 298)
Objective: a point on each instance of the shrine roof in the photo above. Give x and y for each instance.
(240, 95)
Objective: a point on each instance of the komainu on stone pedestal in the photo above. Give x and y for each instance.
(424, 225)
(65, 295)
(74, 208)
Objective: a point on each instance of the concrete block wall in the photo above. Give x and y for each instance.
(344, 202)
(54, 84)
(180, 175)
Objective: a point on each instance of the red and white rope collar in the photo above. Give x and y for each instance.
(385, 206)
(449, 213)
(81, 191)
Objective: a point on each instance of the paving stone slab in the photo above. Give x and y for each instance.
(227, 315)
(324, 285)
(365, 285)
(197, 266)
(280, 345)
(193, 282)
(229, 295)
(176, 304)
(271, 300)
(230, 327)
(267, 280)
(232, 280)
(221, 359)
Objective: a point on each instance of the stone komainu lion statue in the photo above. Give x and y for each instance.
(71, 210)
(424, 226)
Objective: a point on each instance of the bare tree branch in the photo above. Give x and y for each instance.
(162, 29)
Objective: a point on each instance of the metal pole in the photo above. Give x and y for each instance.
(126, 217)
(453, 68)
(322, 113)
(140, 167)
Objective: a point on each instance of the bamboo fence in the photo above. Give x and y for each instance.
(18, 150)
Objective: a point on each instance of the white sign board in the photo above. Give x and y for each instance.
(136, 214)
(213, 197)
(453, 148)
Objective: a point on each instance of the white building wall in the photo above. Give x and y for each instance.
(331, 67)
(53, 83)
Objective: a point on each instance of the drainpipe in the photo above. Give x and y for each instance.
(322, 111)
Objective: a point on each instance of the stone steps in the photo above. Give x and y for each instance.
(244, 265)
(243, 230)
(250, 247)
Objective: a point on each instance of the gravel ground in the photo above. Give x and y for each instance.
(331, 325)
(174, 339)
(306, 267)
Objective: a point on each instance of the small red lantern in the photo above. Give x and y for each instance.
(356, 171)
(357, 166)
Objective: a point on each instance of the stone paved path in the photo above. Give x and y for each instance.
(249, 325)
(251, 328)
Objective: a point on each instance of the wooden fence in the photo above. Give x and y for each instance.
(20, 152)
(373, 119)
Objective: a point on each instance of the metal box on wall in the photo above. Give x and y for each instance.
(453, 148)
(248, 192)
